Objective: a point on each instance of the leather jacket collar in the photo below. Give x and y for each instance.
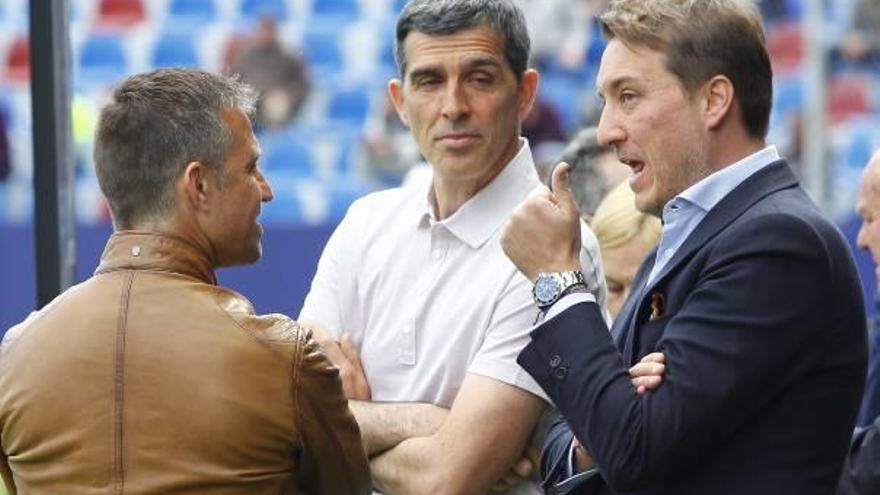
(133, 250)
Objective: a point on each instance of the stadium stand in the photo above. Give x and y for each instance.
(348, 45)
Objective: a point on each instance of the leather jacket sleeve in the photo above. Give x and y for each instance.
(333, 458)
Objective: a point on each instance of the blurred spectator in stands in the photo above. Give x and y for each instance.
(626, 236)
(861, 472)
(280, 77)
(84, 121)
(861, 43)
(389, 148)
(542, 124)
(562, 31)
(595, 170)
(5, 159)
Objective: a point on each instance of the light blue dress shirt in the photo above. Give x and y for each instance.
(683, 213)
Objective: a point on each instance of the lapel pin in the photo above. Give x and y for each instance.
(658, 305)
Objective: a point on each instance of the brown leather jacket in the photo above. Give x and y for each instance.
(148, 378)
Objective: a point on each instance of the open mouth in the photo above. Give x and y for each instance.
(637, 167)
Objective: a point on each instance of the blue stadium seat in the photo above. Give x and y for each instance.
(264, 8)
(286, 206)
(175, 50)
(563, 92)
(102, 60)
(342, 194)
(321, 49)
(287, 153)
(349, 106)
(386, 51)
(788, 95)
(192, 11)
(859, 150)
(343, 9)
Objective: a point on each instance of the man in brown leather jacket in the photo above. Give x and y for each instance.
(148, 378)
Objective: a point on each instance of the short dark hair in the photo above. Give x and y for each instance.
(439, 17)
(156, 123)
(702, 39)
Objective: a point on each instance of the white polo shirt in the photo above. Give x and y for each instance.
(428, 301)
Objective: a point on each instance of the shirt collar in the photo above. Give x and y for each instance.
(708, 192)
(482, 215)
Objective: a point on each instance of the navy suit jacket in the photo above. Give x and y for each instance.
(760, 316)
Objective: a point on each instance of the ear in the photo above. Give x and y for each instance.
(527, 91)
(395, 92)
(718, 95)
(195, 185)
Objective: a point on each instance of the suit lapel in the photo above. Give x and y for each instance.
(770, 179)
(622, 331)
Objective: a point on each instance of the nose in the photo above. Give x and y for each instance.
(455, 103)
(862, 237)
(609, 132)
(266, 193)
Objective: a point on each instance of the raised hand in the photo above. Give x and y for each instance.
(543, 233)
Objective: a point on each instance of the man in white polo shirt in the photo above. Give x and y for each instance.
(416, 275)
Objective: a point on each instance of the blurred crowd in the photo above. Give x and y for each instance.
(329, 132)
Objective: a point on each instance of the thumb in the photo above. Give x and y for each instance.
(561, 185)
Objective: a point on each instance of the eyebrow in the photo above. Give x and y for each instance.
(424, 72)
(469, 64)
(477, 62)
(616, 83)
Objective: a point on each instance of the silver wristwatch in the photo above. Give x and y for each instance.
(549, 287)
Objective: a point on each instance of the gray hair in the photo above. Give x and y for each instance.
(440, 17)
(588, 183)
(156, 123)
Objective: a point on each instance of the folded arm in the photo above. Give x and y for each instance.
(484, 435)
(740, 322)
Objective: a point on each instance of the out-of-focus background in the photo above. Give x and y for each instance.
(328, 133)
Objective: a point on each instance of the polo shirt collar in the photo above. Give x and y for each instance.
(482, 215)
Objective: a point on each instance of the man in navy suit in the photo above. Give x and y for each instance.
(752, 295)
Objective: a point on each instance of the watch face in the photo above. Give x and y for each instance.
(546, 289)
